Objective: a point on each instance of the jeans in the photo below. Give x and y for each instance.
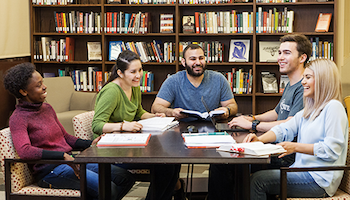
(163, 179)
(63, 177)
(299, 184)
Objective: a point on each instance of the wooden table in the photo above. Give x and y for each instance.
(166, 148)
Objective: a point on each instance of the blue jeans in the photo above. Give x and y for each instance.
(299, 184)
(63, 177)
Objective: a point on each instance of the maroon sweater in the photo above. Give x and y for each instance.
(37, 134)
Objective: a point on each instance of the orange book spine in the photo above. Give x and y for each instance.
(196, 18)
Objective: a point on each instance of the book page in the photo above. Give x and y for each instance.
(156, 123)
(196, 113)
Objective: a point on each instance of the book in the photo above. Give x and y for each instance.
(204, 115)
(115, 48)
(239, 51)
(268, 51)
(94, 51)
(284, 80)
(133, 139)
(253, 148)
(166, 23)
(323, 22)
(207, 140)
(70, 49)
(156, 123)
(269, 82)
(188, 24)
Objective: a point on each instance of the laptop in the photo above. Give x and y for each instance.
(222, 126)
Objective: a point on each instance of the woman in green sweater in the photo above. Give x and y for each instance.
(118, 105)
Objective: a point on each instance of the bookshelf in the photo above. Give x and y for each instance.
(305, 18)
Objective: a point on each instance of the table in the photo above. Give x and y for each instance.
(166, 148)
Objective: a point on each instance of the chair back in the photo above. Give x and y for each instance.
(60, 91)
(82, 125)
(20, 173)
(347, 104)
(345, 183)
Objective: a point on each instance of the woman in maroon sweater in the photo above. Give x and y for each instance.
(37, 134)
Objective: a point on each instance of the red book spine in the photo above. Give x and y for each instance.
(70, 48)
(196, 18)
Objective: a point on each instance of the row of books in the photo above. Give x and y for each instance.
(155, 51)
(77, 22)
(213, 50)
(48, 49)
(220, 22)
(321, 49)
(147, 82)
(52, 2)
(211, 1)
(121, 22)
(152, 1)
(90, 80)
(274, 21)
(276, 1)
(241, 82)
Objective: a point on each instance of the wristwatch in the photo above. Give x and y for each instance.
(254, 124)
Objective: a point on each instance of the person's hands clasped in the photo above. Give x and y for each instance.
(251, 137)
(75, 167)
(242, 121)
(132, 126)
(289, 147)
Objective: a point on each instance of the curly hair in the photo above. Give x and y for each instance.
(17, 78)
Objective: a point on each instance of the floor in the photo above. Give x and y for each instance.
(139, 191)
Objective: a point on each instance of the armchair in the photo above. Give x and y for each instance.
(18, 178)
(66, 101)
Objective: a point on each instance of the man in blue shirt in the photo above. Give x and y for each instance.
(183, 91)
(294, 53)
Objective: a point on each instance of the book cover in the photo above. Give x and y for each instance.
(253, 148)
(166, 23)
(239, 51)
(268, 51)
(94, 51)
(323, 22)
(284, 80)
(207, 140)
(115, 48)
(188, 24)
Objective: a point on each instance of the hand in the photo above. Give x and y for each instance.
(160, 115)
(242, 121)
(176, 113)
(289, 147)
(75, 167)
(225, 115)
(132, 126)
(251, 137)
(97, 139)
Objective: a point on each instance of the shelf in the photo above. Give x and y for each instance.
(258, 94)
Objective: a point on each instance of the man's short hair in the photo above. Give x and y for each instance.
(304, 45)
(191, 46)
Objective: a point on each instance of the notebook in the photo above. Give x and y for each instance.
(222, 126)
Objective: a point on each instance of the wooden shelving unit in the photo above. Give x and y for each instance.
(305, 17)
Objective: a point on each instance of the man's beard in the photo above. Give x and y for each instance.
(192, 73)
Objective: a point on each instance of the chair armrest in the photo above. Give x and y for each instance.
(83, 101)
(284, 170)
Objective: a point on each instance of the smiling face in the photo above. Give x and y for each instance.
(36, 89)
(308, 83)
(289, 59)
(132, 75)
(194, 62)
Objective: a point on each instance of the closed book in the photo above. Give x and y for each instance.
(94, 51)
(70, 43)
(323, 22)
(115, 48)
(135, 139)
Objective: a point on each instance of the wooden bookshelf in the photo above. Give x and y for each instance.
(305, 18)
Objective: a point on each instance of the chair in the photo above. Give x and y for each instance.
(66, 101)
(19, 180)
(82, 129)
(343, 191)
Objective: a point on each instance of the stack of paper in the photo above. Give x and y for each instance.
(157, 123)
(207, 140)
(253, 148)
(133, 139)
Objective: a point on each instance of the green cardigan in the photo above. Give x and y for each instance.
(112, 105)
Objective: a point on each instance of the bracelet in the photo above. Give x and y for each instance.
(229, 110)
(252, 117)
(121, 126)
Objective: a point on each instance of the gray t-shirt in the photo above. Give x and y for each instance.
(179, 91)
(291, 101)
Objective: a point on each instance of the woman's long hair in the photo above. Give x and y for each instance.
(123, 61)
(327, 87)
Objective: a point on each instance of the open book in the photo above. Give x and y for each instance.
(133, 139)
(157, 123)
(204, 115)
(253, 148)
(207, 140)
